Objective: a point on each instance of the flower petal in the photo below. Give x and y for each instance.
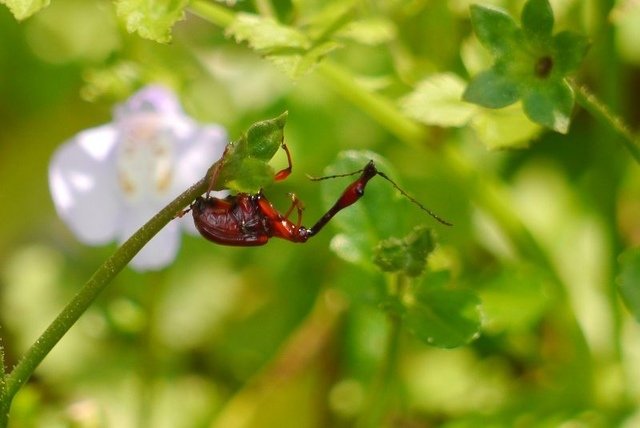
(496, 29)
(537, 19)
(550, 105)
(570, 49)
(161, 250)
(83, 185)
(196, 154)
(150, 99)
(195, 157)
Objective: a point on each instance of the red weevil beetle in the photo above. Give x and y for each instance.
(247, 219)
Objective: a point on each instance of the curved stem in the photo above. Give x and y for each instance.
(103, 276)
(600, 111)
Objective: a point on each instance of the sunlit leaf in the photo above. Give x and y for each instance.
(437, 100)
(265, 34)
(151, 19)
(373, 31)
(296, 65)
(23, 9)
(504, 128)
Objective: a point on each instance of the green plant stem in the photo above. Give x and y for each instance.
(83, 299)
(382, 388)
(601, 112)
(214, 13)
(384, 112)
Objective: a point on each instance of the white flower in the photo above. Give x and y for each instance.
(108, 181)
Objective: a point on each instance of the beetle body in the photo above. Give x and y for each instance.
(243, 220)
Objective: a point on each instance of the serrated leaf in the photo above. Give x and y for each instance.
(629, 281)
(437, 100)
(444, 318)
(569, 51)
(151, 19)
(492, 89)
(372, 31)
(495, 28)
(537, 19)
(265, 34)
(296, 65)
(550, 105)
(505, 128)
(22, 9)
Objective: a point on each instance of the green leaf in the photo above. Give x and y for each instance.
(516, 298)
(496, 29)
(629, 281)
(437, 100)
(408, 255)
(151, 19)
(569, 51)
(550, 104)
(265, 35)
(296, 65)
(22, 9)
(537, 19)
(492, 89)
(444, 318)
(245, 166)
(376, 216)
(372, 31)
(505, 128)
(249, 176)
(263, 139)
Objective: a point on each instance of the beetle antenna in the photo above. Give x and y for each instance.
(415, 201)
(312, 178)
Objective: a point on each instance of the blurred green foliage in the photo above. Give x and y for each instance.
(295, 335)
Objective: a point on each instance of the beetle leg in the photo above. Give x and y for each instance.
(298, 205)
(284, 173)
(215, 170)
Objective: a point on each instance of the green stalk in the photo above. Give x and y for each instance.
(601, 112)
(379, 108)
(382, 388)
(79, 304)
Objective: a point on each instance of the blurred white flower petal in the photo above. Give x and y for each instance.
(108, 181)
(83, 185)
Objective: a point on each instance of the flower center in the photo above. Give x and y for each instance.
(145, 158)
(543, 67)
